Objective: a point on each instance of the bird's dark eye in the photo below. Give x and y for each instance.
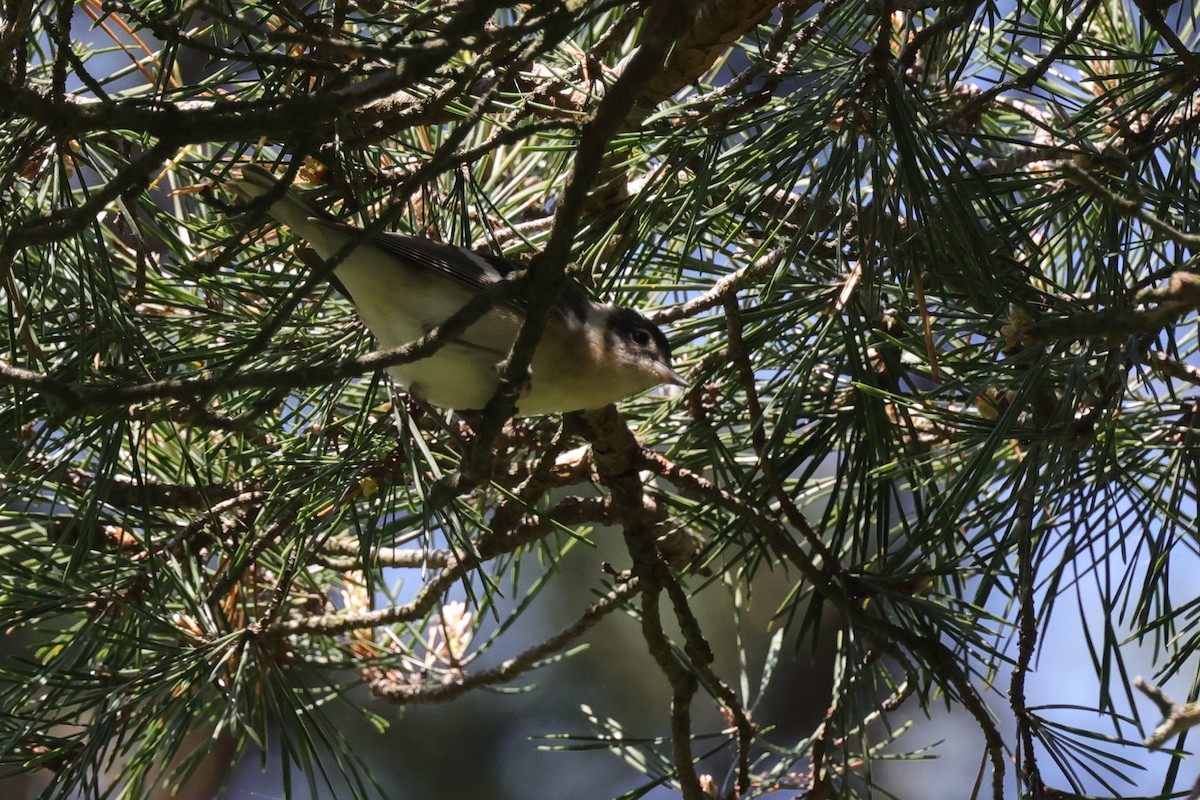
(641, 337)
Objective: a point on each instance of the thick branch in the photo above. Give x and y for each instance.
(716, 25)
(1181, 296)
(195, 121)
(548, 274)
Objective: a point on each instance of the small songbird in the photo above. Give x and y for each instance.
(590, 354)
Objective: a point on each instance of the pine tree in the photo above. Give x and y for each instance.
(928, 269)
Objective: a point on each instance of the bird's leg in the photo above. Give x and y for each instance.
(522, 383)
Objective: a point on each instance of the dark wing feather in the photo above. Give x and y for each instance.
(477, 270)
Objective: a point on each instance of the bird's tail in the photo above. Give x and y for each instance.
(288, 207)
(319, 228)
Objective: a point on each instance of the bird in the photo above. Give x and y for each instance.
(590, 354)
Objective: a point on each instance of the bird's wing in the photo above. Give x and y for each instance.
(477, 270)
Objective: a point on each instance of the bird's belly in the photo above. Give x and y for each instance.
(462, 373)
(405, 305)
(453, 377)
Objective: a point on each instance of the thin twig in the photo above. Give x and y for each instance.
(830, 584)
(1153, 15)
(762, 267)
(1163, 363)
(1181, 296)
(616, 453)
(387, 688)
(1177, 717)
(531, 528)
(700, 653)
(758, 435)
(90, 397)
(1130, 207)
(1026, 79)
(683, 688)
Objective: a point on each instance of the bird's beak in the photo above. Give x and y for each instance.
(669, 376)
